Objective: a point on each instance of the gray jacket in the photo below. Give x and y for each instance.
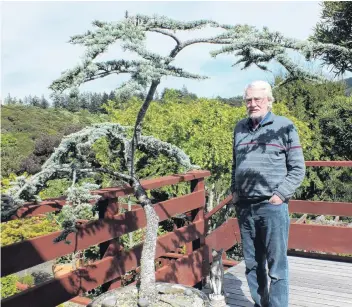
(268, 160)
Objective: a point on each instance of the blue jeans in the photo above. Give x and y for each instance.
(264, 231)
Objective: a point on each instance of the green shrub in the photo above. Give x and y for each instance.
(137, 237)
(22, 126)
(23, 229)
(8, 286)
(27, 280)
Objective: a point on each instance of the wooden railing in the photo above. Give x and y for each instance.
(314, 238)
(189, 268)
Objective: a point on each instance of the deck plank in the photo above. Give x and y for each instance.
(330, 300)
(313, 283)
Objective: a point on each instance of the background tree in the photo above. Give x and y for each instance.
(23, 125)
(327, 112)
(10, 100)
(335, 27)
(256, 47)
(44, 103)
(35, 101)
(183, 95)
(144, 73)
(203, 128)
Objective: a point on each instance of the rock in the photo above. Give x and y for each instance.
(170, 290)
(218, 300)
(188, 292)
(109, 302)
(142, 302)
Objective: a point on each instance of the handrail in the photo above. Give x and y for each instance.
(55, 204)
(329, 163)
(114, 263)
(28, 253)
(345, 207)
(222, 204)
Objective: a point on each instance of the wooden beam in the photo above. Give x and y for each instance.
(320, 207)
(225, 236)
(23, 255)
(320, 238)
(330, 163)
(186, 270)
(80, 300)
(301, 220)
(222, 204)
(72, 284)
(55, 204)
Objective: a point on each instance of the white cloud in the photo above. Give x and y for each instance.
(35, 34)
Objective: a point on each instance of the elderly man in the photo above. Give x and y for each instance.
(268, 166)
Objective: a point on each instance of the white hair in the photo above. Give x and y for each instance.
(262, 85)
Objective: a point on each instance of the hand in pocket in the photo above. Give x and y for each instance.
(275, 200)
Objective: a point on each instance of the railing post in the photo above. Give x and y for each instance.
(107, 209)
(197, 215)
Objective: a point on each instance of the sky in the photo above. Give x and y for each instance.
(35, 48)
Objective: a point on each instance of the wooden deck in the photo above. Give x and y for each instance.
(313, 283)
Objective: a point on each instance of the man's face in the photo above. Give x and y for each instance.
(256, 102)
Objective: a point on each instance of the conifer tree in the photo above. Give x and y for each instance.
(335, 27)
(146, 75)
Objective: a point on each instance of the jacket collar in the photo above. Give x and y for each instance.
(268, 119)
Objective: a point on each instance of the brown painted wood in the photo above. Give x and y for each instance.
(64, 288)
(84, 301)
(197, 214)
(321, 238)
(108, 208)
(186, 271)
(229, 263)
(225, 236)
(320, 207)
(23, 255)
(173, 255)
(155, 183)
(125, 206)
(29, 210)
(301, 220)
(222, 204)
(330, 163)
(55, 204)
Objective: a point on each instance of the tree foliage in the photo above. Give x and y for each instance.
(182, 95)
(327, 113)
(145, 73)
(203, 128)
(24, 229)
(44, 146)
(335, 121)
(29, 134)
(335, 27)
(8, 286)
(73, 102)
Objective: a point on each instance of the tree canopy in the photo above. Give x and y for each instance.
(335, 27)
